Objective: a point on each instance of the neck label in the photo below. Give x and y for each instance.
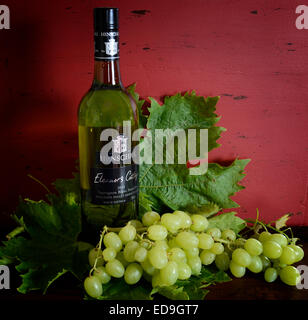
(106, 45)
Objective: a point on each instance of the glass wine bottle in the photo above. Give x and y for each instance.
(107, 116)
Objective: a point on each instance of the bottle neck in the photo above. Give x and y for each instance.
(107, 73)
(106, 55)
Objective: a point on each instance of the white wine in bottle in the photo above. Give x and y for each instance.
(107, 116)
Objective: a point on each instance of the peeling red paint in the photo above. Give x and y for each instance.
(250, 53)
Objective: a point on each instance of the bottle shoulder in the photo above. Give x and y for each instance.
(106, 107)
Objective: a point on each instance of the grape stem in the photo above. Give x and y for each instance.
(144, 240)
(268, 226)
(222, 240)
(99, 247)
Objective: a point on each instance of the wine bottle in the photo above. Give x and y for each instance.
(107, 116)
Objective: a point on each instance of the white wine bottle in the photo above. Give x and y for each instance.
(107, 116)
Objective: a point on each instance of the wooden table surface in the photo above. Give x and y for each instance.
(250, 287)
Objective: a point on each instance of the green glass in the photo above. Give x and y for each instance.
(106, 105)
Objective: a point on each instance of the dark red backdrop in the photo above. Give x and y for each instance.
(248, 52)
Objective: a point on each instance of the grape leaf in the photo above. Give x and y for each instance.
(282, 221)
(118, 289)
(227, 220)
(187, 111)
(171, 186)
(49, 247)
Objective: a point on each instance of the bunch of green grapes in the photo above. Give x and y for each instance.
(174, 246)
(271, 253)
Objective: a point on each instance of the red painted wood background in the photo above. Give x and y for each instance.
(248, 52)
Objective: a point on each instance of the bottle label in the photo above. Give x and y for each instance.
(114, 185)
(106, 45)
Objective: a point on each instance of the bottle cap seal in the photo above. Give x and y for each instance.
(106, 19)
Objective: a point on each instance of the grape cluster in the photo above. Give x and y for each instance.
(174, 247)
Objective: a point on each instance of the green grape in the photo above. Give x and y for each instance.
(299, 252)
(169, 274)
(147, 267)
(207, 257)
(199, 223)
(278, 265)
(130, 250)
(217, 248)
(288, 255)
(272, 249)
(187, 240)
(158, 257)
(222, 261)
(112, 240)
(136, 223)
(133, 273)
(141, 254)
(228, 251)
(280, 239)
(171, 222)
(205, 241)
(237, 270)
(156, 280)
(120, 257)
(195, 265)
(185, 220)
(265, 262)
(162, 243)
(157, 232)
(290, 275)
(144, 243)
(115, 268)
(150, 217)
(253, 247)
(109, 254)
(184, 270)
(228, 234)
(241, 257)
(270, 274)
(192, 252)
(177, 255)
(172, 243)
(255, 265)
(93, 254)
(127, 233)
(239, 242)
(102, 275)
(264, 236)
(214, 232)
(93, 286)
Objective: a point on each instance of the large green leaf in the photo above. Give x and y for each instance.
(49, 248)
(188, 111)
(173, 187)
